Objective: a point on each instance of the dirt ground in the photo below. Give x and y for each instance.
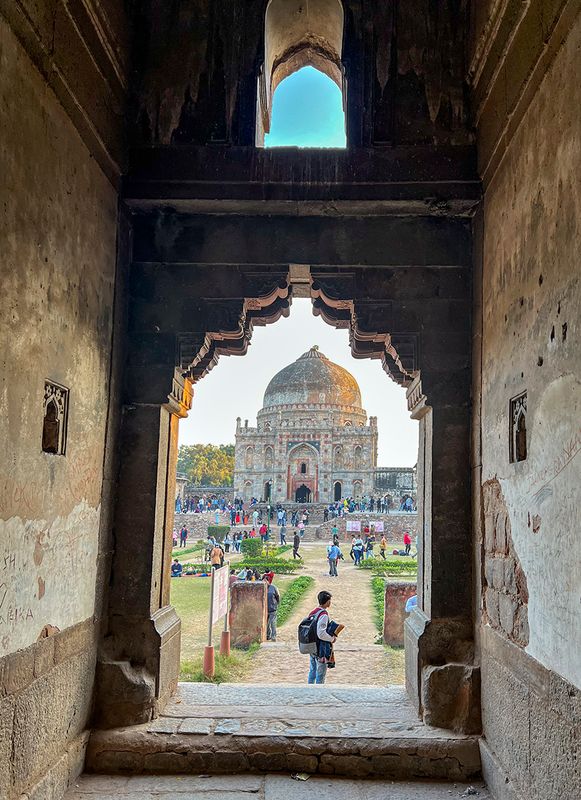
(360, 660)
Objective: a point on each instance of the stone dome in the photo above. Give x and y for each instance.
(313, 380)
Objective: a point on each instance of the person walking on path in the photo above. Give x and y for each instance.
(216, 557)
(183, 536)
(333, 555)
(319, 663)
(383, 546)
(263, 531)
(358, 550)
(296, 544)
(282, 534)
(273, 599)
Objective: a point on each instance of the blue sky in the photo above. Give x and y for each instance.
(307, 112)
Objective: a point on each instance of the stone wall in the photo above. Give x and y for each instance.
(396, 596)
(248, 613)
(394, 525)
(59, 217)
(527, 510)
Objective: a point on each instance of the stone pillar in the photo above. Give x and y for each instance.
(248, 612)
(139, 662)
(396, 595)
(439, 633)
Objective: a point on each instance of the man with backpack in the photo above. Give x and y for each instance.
(314, 639)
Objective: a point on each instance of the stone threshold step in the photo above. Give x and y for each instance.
(140, 750)
(264, 787)
(311, 712)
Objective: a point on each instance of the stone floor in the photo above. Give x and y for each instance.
(263, 787)
(297, 711)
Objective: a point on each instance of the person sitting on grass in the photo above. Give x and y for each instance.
(176, 569)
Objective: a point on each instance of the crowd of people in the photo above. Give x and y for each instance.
(241, 511)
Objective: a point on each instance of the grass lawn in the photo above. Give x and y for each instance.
(191, 598)
(234, 667)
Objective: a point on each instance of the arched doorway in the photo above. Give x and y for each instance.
(337, 491)
(303, 494)
(446, 499)
(267, 491)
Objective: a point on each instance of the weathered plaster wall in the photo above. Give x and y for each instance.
(58, 222)
(530, 335)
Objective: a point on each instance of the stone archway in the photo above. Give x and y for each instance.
(405, 333)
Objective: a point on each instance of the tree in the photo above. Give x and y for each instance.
(207, 464)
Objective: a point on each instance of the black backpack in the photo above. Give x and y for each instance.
(307, 633)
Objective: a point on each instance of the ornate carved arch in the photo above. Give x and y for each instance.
(367, 322)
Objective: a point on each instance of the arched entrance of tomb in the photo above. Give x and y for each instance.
(397, 327)
(303, 473)
(303, 494)
(267, 491)
(337, 489)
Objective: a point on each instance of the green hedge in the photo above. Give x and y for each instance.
(378, 591)
(280, 565)
(218, 531)
(291, 597)
(390, 566)
(251, 547)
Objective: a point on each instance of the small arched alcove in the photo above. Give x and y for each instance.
(298, 35)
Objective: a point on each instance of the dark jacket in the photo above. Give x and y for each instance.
(273, 598)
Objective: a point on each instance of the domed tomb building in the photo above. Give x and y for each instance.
(312, 442)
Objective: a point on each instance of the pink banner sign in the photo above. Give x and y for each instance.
(220, 594)
(353, 526)
(377, 526)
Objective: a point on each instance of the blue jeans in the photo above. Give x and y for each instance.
(332, 567)
(317, 672)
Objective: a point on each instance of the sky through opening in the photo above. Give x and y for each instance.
(236, 385)
(307, 111)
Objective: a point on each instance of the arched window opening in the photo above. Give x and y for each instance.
(337, 491)
(267, 491)
(357, 488)
(307, 112)
(357, 457)
(303, 469)
(268, 456)
(299, 35)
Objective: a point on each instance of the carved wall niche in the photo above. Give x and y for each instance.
(518, 428)
(55, 418)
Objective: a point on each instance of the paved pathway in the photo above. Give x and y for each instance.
(360, 660)
(262, 787)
